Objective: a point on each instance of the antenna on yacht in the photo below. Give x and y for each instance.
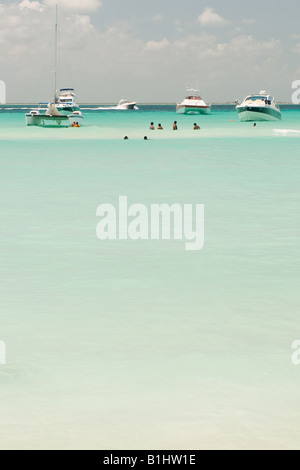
(55, 53)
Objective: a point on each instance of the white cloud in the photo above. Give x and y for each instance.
(249, 21)
(157, 45)
(178, 26)
(37, 6)
(296, 49)
(93, 56)
(157, 18)
(76, 5)
(247, 46)
(210, 18)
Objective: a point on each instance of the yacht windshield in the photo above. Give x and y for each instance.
(256, 98)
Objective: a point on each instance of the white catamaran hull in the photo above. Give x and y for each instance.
(44, 120)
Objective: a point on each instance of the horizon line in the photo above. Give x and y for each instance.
(217, 103)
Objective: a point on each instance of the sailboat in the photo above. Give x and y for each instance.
(63, 111)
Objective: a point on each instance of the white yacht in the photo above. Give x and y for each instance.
(66, 102)
(193, 104)
(259, 107)
(125, 104)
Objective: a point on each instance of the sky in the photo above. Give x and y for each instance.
(150, 51)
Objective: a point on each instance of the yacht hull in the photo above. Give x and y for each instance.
(181, 109)
(247, 114)
(125, 108)
(66, 110)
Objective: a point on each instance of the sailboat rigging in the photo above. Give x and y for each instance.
(63, 111)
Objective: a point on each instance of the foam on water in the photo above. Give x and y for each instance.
(141, 345)
(287, 131)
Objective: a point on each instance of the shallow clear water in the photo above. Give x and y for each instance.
(141, 344)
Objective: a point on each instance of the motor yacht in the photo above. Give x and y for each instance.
(259, 107)
(193, 104)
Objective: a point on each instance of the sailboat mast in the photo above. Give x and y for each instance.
(55, 55)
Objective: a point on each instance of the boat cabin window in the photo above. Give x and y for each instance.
(256, 98)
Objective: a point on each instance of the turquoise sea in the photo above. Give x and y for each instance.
(141, 344)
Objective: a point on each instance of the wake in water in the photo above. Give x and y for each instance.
(114, 108)
(287, 131)
(14, 109)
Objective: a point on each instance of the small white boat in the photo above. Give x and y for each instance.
(259, 107)
(193, 104)
(125, 104)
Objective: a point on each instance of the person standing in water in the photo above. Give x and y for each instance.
(175, 128)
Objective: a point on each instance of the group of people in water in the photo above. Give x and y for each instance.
(160, 128)
(152, 128)
(175, 127)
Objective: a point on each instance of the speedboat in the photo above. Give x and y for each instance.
(259, 107)
(193, 104)
(125, 104)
